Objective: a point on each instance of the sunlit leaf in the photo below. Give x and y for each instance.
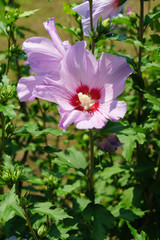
(72, 158)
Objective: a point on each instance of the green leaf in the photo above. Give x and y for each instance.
(141, 236)
(150, 17)
(68, 9)
(33, 129)
(103, 220)
(131, 197)
(136, 43)
(129, 136)
(127, 214)
(127, 197)
(3, 27)
(110, 171)
(7, 162)
(112, 127)
(150, 66)
(5, 80)
(128, 146)
(8, 110)
(155, 38)
(152, 99)
(56, 214)
(126, 39)
(59, 232)
(66, 29)
(28, 13)
(72, 158)
(122, 20)
(9, 206)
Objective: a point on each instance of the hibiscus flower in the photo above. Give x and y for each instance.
(106, 8)
(87, 89)
(44, 56)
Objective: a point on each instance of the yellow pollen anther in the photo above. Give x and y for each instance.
(85, 100)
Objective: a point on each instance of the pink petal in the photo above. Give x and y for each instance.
(112, 72)
(68, 117)
(51, 29)
(82, 120)
(113, 110)
(106, 8)
(96, 120)
(26, 86)
(43, 57)
(82, 9)
(79, 67)
(54, 93)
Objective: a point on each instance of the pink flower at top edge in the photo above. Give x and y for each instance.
(44, 56)
(129, 11)
(87, 89)
(106, 8)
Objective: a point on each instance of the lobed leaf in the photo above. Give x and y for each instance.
(103, 220)
(9, 206)
(28, 13)
(72, 158)
(56, 214)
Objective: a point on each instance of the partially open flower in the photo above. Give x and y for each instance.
(109, 144)
(106, 8)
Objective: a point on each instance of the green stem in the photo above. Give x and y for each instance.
(29, 225)
(2, 139)
(9, 44)
(2, 144)
(91, 166)
(140, 94)
(91, 25)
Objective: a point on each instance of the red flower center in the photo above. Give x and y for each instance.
(85, 99)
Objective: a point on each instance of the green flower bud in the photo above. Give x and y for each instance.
(85, 137)
(23, 202)
(19, 173)
(9, 128)
(78, 31)
(6, 176)
(42, 231)
(133, 17)
(106, 25)
(51, 178)
(45, 179)
(79, 19)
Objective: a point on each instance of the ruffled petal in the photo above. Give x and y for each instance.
(112, 72)
(51, 29)
(55, 92)
(79, 67)
(26, 87)
(113, 110)
(82, 9)
(82, 120)
(95, 120)
(43, 57)
(104, 8)
(69, 117)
